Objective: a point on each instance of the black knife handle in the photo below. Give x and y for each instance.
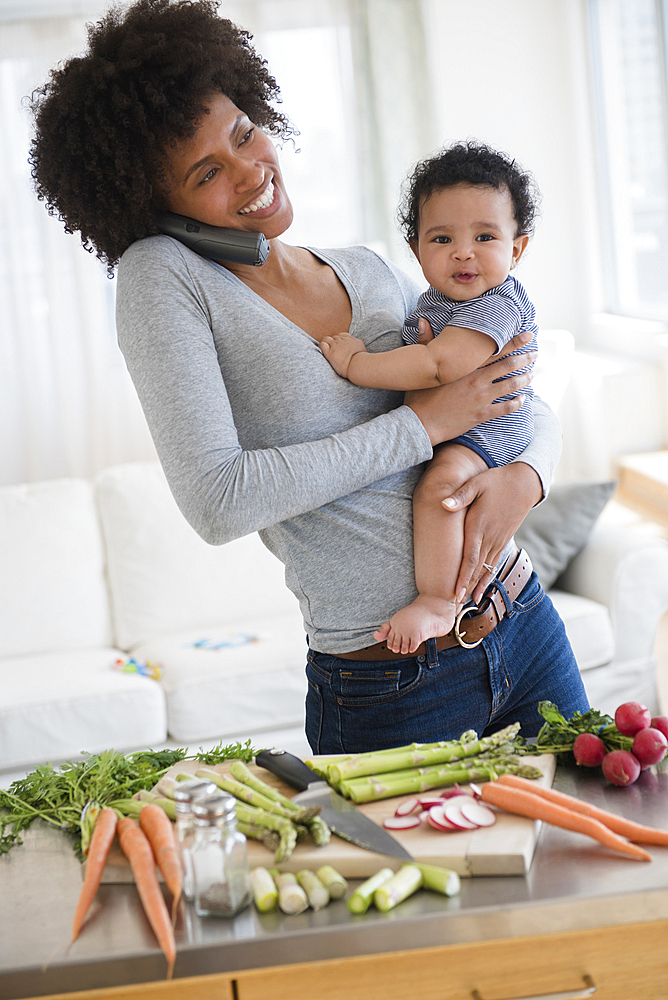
(288, 767)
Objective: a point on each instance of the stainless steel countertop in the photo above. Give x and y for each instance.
(573, 884)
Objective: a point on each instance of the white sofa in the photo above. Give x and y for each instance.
(93, 572)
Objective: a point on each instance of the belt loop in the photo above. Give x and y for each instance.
(432, 653)
(506, 598)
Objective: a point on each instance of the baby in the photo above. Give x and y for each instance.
(468, 216)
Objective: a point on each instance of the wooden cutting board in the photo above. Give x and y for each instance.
(507, 848)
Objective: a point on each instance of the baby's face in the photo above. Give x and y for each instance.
(467, 240)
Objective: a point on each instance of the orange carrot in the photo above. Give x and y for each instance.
(636, 832)
(529, 804)
(137, 849)
(100, 842)
(158, 828)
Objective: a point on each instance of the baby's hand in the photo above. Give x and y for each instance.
(339, 349)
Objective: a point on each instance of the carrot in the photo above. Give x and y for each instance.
(158, 828)
(100, 842)
(529, 804)
(137, 849)
(636, 832)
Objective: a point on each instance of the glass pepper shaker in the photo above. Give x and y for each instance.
(185, 794)
(220, 862)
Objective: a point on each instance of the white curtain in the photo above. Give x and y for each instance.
(353, 75)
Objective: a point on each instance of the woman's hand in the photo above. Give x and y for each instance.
(498, 500)
(447, 411)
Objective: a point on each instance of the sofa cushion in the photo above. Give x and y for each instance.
(588, 627)
(220, 681)
(163, 577)
(56, 706)
(53, 593)
(555, 531)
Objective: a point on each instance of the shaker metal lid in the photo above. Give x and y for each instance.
(213, 805)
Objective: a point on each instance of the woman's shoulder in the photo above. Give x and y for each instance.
(365, 265)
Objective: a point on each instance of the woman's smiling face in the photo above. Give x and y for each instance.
(227, 174)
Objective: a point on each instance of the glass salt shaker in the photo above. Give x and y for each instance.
(185, 794)
(220, 862)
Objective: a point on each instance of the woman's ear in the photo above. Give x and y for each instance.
(519, 246)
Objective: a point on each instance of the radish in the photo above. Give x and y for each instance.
(660, 722)
(407, 807)
(475, 791)
(449, 793)
(649, 746)
(427, 801)
(437, 819)
(589, 750)
(452, 811)
(621, 767)
(401, 822)
(478, 813)
(631, 717)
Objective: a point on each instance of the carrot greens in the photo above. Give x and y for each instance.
(71, 796)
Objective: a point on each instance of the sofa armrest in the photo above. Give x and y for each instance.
(625, 567)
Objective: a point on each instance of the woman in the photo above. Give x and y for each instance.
(171, 109)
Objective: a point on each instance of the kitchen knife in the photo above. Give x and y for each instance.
(343, 818)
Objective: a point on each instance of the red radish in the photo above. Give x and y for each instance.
(478, 813)
(621, 767)
(589, 750)
(437, 819)
(424, 817)
(427, 801)
(649, 746)
(476, 792)
(407, 807)
(660, 722)
(450, 792)
(453, 811)
(401, 822)
(631, 717)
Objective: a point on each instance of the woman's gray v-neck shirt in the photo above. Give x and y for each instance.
(256, 432)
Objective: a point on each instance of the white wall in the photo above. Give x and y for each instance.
(513, 73)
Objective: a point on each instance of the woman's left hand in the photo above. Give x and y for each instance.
(498, 500)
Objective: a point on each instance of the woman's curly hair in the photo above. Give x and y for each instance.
(469, 162)
(103, 120)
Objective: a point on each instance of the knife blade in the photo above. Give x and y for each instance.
(343, 818)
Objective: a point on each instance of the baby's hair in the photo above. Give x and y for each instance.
(470, 162)
(103, 120)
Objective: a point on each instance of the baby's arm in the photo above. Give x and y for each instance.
(455, 352)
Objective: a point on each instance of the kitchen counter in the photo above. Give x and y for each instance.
(574, 888)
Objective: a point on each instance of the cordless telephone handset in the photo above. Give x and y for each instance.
(232, 245)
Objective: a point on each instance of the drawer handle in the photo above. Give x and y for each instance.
(589, 990)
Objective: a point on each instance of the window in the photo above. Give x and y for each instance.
(631, 93)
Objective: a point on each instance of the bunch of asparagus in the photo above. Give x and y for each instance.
(419, 767)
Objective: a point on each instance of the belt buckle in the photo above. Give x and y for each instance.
(458, 636)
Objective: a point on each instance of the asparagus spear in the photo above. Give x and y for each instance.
(263, 886)
(418, 756)
(406, 881)
(284, 827)
(360, 900)
(268, 838)
(335, 882)
(291, 897)
(438, 879)
(244, 793)
(317, 893)
(302, 814)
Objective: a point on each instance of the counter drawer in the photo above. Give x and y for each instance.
(628, 962)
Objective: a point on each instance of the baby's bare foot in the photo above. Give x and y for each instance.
(424, 619)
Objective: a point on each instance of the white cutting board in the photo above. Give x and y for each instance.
(507, 848)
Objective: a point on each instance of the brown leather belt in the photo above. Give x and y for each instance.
(470, 627)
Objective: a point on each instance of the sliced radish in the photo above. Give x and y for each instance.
(407, 807)
(478, 813)
(424, 817)
(450, 793)
(475, 791)
(453, 810)
(437, 819)
(427, 801)
(401, 822)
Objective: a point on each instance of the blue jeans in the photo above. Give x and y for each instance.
(353, 706)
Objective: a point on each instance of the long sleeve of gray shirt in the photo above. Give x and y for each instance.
(256, 432)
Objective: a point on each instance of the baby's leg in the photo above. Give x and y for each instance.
(438, 539)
